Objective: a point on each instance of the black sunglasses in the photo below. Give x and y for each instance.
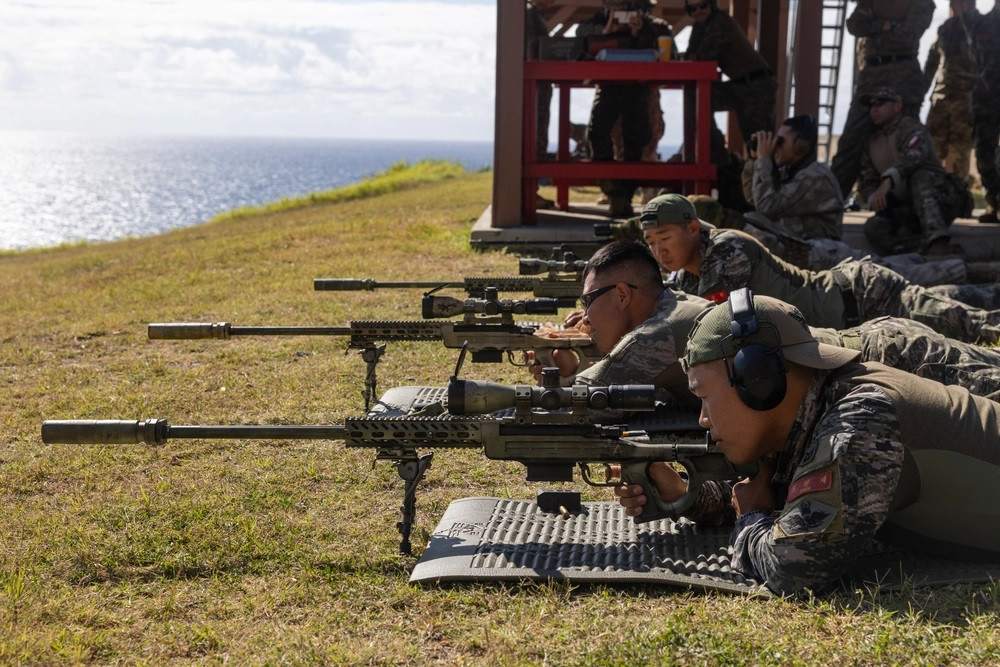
(588, 299)
(879, 101)
(704, 4)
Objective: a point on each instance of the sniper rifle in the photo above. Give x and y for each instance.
(487, 329)
(550, 432)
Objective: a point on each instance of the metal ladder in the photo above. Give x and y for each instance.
(834, 19)
(832, 36)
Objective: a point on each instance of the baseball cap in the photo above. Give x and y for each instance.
(779, 325)
(666, 210)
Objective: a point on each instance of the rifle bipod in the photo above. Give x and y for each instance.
(411, 469)
(371, 357)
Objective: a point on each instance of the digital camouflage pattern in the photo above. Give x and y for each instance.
(951, 64)
(888, 58)
(922, 204)
(916, 348)
(731, 259)
(806, 203)
(649, 353)
(841, 484)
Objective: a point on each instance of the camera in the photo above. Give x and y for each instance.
(623, 16)
(752, 144)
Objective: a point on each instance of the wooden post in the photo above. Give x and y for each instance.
(509, 110)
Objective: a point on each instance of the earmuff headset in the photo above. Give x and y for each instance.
(759, 371)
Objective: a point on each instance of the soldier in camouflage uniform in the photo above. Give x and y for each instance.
(986, 107)
(951, 65)
(903, 182)
(849, 453)
(888, 33)
(790, 188)
(638, 325)
(711, 263)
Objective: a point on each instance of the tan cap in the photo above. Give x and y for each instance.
(885, 93)
(712, 339)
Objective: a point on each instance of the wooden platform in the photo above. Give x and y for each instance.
(980, 241)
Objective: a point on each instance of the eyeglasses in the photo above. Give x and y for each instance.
(705, 4)
(879, 101)
(590, 297)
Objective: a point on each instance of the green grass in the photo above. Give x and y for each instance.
(268, 552)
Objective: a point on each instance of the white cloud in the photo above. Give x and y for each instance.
(414, 69)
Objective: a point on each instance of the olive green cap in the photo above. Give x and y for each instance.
(671, 209)
(779, 325)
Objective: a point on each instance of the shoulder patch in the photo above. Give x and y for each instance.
(809, 517)
(914, 141)
(820, 481)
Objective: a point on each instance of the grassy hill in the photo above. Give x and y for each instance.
(254, 552)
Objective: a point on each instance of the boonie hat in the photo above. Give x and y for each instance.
(885, 93)
(666, 210)
(711, 338)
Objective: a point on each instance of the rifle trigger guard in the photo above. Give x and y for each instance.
(585, 474)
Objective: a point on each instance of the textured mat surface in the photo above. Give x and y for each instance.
(493, 539)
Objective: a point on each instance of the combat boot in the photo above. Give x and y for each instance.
(991, 211)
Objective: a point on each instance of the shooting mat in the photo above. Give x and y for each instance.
(495, 539)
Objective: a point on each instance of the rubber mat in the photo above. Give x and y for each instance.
(494, 539)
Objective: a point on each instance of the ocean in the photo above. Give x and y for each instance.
(60, 188)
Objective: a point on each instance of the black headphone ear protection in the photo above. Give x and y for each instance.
(759, 371)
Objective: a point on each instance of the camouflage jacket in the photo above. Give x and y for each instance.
(650, 353)
(859, 464)
(731, 259)
(808, 205)
(905, 139)
(721, 38)
(952, 57)
(902, 39)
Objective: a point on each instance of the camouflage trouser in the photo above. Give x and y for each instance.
(918, 349)
(987, 132)
(630, 103)
(913, 224)
(986, 297)
(877, 291)
(905, 78)
(949, 123)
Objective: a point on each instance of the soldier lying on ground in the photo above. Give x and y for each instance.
(850, 452)
(711, 263)
(642, 330)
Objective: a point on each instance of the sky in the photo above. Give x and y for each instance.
(403, 69)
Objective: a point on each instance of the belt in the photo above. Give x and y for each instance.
(753, 76)
(875, 61)
(851, 315)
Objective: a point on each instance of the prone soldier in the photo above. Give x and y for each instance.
(711, 263)
(849, 452)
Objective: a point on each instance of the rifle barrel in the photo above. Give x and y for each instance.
(158, 431)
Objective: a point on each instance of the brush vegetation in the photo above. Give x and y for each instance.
(286, 553)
